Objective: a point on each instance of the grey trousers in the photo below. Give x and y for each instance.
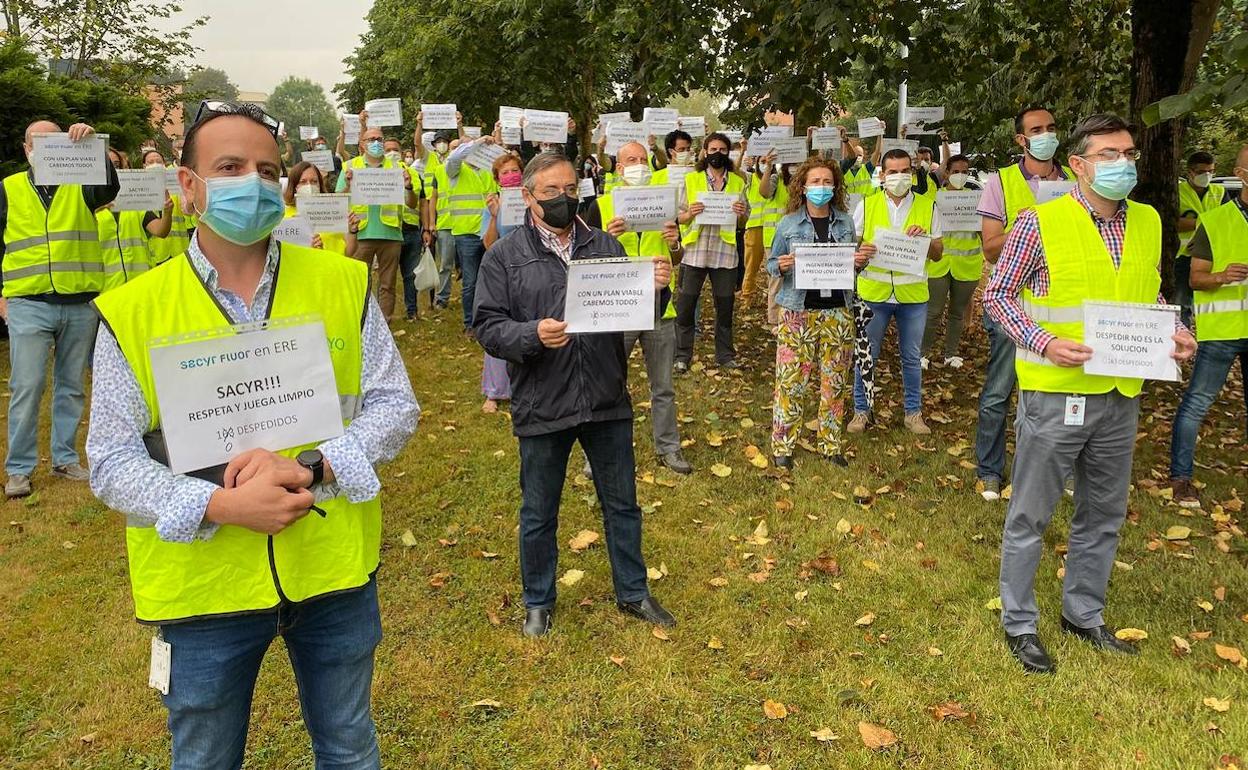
(1100, 453)
(658, 346)
(957, 294)
(446, 264)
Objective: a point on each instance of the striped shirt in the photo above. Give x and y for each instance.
(1022, 265)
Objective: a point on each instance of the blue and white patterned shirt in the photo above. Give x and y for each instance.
(126, 478)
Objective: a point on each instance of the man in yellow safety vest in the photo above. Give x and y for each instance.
(1091, 244)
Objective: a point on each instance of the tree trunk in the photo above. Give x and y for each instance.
(1169, 38)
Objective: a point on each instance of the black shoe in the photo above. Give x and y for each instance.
(839, 460)
(675, 461)
(649, 610)
(537, 622)
(730, 364)
(1028, 650)
(440, 305)
(1100, 637)
(783, 461)
(680, 367)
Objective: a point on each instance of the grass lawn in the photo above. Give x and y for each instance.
(900, 625)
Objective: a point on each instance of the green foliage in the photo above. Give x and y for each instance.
(30, 95)
(301, 102)
(700, 102)
(205, 83)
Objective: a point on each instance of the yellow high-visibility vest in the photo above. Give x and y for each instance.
(875, 284)
(1222, 314)
(124, 246)
(1189, 200)
(49, 250)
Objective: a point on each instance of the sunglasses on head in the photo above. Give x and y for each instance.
(245, 109)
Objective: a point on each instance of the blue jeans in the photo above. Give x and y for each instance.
(330, 642)
(35, 330)
(1183, 288)
(469, 249)
(1214, 359)
(994, 403)
(446, 265)
(911, 321)
(408, 259)
(543, 468)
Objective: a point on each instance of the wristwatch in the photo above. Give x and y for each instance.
(313, 460)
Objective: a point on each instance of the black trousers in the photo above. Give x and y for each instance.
(723, 289)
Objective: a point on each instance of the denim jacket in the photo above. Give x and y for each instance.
(797, 228)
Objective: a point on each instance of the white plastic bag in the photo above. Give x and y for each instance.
(426, 272)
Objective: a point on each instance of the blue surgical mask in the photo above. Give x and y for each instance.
(375, 148)
(1114, 180)
(242, 209)
(819, 196)
(1042, 146)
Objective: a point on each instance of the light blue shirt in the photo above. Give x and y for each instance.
(126, 478)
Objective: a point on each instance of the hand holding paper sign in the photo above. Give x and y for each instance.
(552, 333)
(662, 272)
(1184, 346)
(1067, 352)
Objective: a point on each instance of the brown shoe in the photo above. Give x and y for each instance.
(914, 424)
(859, 423)
(1185, 493)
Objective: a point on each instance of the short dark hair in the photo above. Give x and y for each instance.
(672, 137)
(959, 158)
(895, 154)
(717, 136)
(244, 110)
(1199, 158)
(923, 149)
(1095, 125)
(1024, 112)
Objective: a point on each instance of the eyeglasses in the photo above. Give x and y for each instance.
(1109, 156)
(246, 109)
(550, 192)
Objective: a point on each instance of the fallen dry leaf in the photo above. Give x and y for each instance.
(1205, 605)
(1131, 634)
(949, 710)
(407, 539)
(717, 582)
(721, 470)
(617, 660)
(658, 633)
(1229, 654)
(774, 710)
(1178, 532)
(760, 535)
(572, 577)
(583, 539)
(487, 704)
(1218, 704)
(824, 735)
(865, 620)
(714, 643)
(876, 737)
(935, 652)
(843, 527)
(1181, 645)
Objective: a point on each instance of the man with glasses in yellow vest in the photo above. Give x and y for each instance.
(658, 345)
(1219, 252)
(381, 227)
(52, 267)
(1091, 244)
(1197, 195)
(894, 295)
(1005, 195)
(225, 559)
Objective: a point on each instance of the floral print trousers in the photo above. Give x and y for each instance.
(818, 343)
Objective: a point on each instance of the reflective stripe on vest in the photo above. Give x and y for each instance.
(123, 244)
(52, 250)
(1017, 194)
(179, 237)
(859, 181)
(876, 284)
(1222, 314)
(640, 245)
(238, 570)
(466, 202)
(695, 182)
(1189, 200)
(391, 215)
(1081, 268)
(963, 255)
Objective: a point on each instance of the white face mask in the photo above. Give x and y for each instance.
(683, 158)
(306, 189)
(898, 184)
(440, 147)
(155, 164)
(393, 157)
(1203, 180)
(636, 175)
(958, 181)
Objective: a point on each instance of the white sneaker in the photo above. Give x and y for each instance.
(924, 362)
(954, 362)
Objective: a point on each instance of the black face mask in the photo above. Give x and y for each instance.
(559, 212)
(718, 160)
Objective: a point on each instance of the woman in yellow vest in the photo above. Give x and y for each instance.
(126, 236)
(953, 278)
(181, 226)
(768, 197)
(710, 252)
(815, 334)
(306, 179)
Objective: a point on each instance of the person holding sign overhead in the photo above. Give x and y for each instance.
(173, 243)
(465, 188)
(1005, 195)
(566, 388)
(380, 238)
(816, 332)
(1219, 254)
(954, 277)
(126, 234)
(658, 345)
(225, 559)
(904, 229)
(710, 250)
(1090, 245)
(52, 267)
